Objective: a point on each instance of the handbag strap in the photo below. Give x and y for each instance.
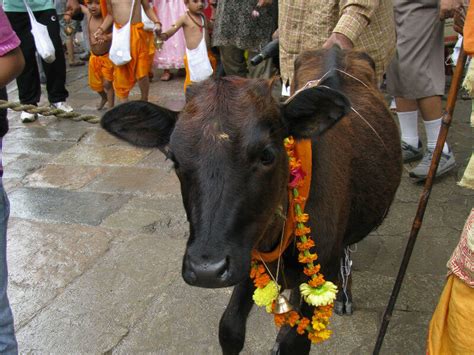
(131, 11)
(30, 13)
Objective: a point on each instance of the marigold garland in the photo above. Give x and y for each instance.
(317, 292)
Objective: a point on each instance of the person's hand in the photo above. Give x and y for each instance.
(447, 8)
(339, 39)
(157, 28)
(262, 3)
(99, 32)
(459, 19)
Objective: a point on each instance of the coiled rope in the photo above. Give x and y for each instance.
(48, 111)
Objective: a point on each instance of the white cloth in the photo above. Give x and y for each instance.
(119, 52)
(199, 64)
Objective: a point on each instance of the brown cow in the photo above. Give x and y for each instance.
(228, 153)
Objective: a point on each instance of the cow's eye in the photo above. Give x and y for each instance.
(268, 156)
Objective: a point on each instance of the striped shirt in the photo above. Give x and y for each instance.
(307, 24)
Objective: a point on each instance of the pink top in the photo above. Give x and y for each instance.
(8, 38)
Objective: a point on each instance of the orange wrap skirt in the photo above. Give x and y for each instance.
(125, 76)
(451, 329)
(188, 81)
(100, 68)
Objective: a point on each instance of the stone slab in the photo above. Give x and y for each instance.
(94, 155)
(138, 181)
(56, 205)
(65, 177)
(38, 146)
(45, 258)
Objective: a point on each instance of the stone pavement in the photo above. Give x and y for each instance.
(97, 233)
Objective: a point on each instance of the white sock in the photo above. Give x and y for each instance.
(409, 127)
(432, 131)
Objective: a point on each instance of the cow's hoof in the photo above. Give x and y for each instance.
(276, 349)
(339, 308)
(348, 308)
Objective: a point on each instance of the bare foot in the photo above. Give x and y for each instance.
(102, 103)
(166, 76)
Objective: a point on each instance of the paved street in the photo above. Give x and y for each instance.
(97, 232)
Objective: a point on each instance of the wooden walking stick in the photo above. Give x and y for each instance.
(446, 122)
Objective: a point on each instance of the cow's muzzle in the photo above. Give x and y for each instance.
(203, 272)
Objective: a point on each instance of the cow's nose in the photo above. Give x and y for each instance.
(206, 273)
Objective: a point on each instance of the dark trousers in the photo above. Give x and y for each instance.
(29, 87)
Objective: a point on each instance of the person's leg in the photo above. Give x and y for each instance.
(8, 344)
(55, 71)
(144, 85)
(110, 93)
(432, 111)
(407, 113)
(29, 88)
(233, 61)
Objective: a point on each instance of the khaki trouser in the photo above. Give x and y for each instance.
(234, 63)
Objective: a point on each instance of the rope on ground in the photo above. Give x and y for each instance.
(48, 111)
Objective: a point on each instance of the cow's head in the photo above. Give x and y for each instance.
(228, 153)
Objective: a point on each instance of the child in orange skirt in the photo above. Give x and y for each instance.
(101, 69)
(199, 60)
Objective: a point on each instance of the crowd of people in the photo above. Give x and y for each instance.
(127, 40)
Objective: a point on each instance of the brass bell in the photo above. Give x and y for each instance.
(68, 30)
(282, 305)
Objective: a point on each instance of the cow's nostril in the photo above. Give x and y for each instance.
(224, 271)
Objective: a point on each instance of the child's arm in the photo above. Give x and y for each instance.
(151, 15)
(174, 28)
(106, 23)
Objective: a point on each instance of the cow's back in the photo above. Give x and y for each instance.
(357, 163)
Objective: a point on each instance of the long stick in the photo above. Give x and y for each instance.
(446, 122)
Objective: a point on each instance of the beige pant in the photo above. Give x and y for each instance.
(234, 63)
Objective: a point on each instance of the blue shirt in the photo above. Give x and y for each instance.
(35, 5)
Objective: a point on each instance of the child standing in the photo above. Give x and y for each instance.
(173, 51)
(118, 13)
(101, 68)
(199, 60)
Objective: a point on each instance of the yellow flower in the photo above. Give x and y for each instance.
(320, 296)
(266, 295)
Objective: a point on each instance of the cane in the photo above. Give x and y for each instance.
(446, 122)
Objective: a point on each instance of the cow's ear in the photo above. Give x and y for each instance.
(314, 109)
(141, 123)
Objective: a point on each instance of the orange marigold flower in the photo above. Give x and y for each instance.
(317, 281)
(280, 319)
(305, 259)
(293, 318)
(302, 218)
(304, 322)
(300, 199)
(312, 271)
(306, 245)
(261, 281)
(302, 231)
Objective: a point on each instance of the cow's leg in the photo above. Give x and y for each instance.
(343, 303)
(234, 319)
